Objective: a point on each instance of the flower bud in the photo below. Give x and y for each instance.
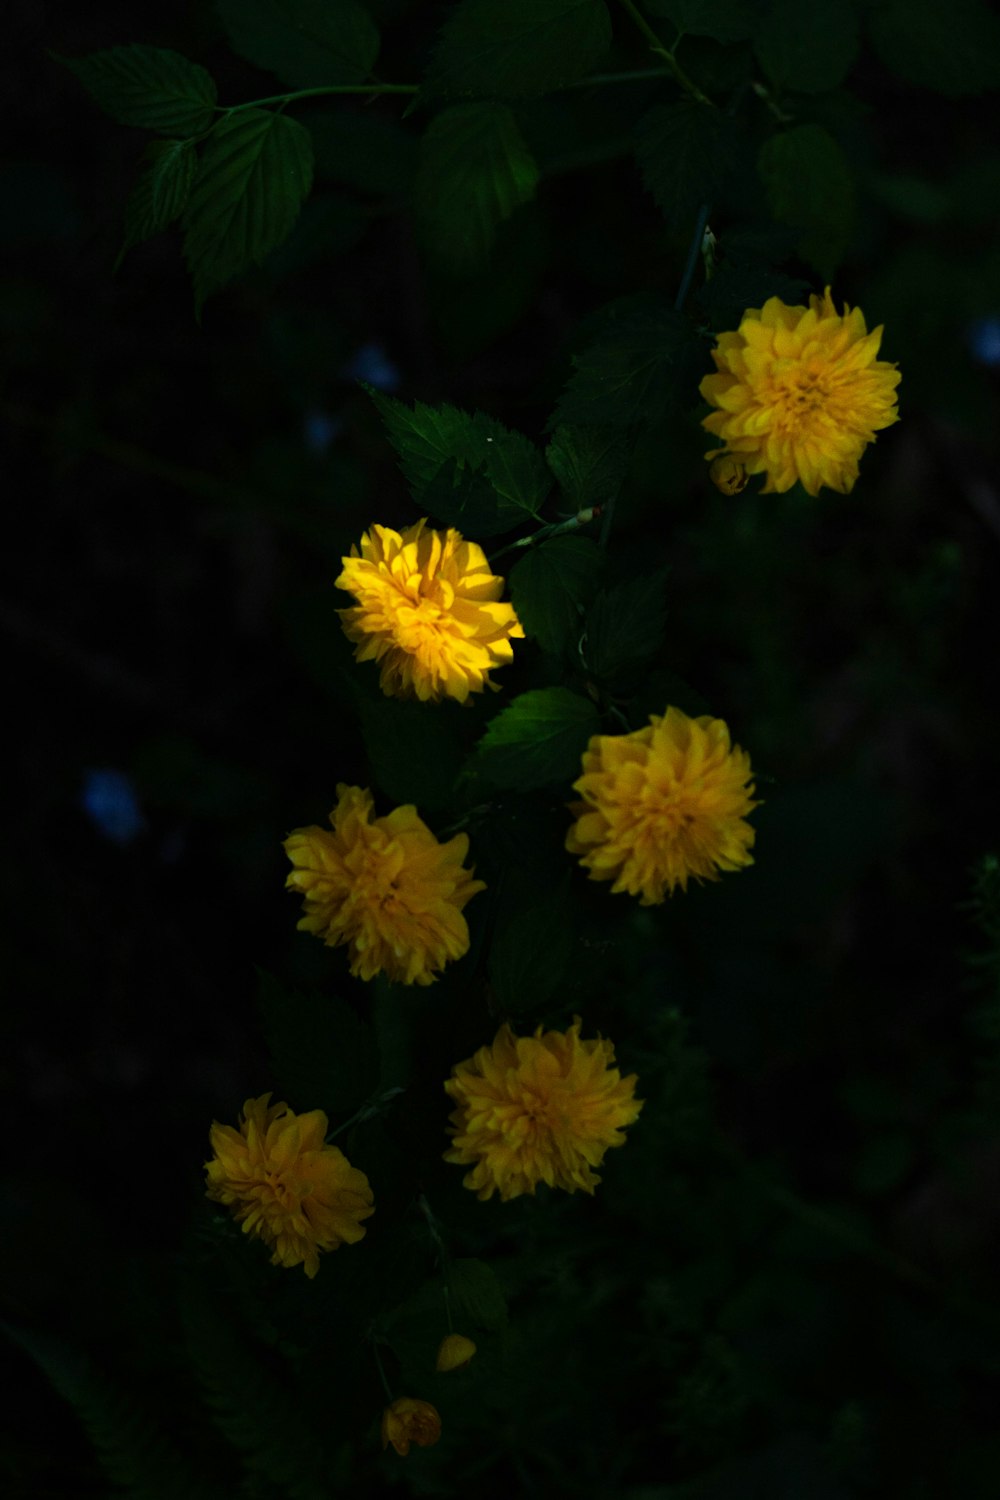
(409, 1421)
(728, 474)
(455, 1352)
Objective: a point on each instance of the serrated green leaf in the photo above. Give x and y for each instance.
(722, 20)
(590, 463)
(161, 191)
(474, 170)
(531, 950)
(733, 289)
(517, 48)
(307, 43)
(807, 48)
(625, 626)
(323, 1055)
(148, 86)
(550, 586)
(811, 187)
(686, 153)
(255, 171)
(508, 482)
(476, 1294)
(951, 48)
(537, 741)
(415, 756)
(643, 359)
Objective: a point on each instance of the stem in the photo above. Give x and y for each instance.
(582, 518)
(333, 88)
(697, 241)
(442, 1250)
(368, 1111)
(378, 1361)
(687, 84)
(609, 513)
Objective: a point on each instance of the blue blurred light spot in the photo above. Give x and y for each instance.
(320, 430)
(110, 802)
(373, 365)
(984, 340)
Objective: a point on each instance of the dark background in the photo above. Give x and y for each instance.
(178, 499)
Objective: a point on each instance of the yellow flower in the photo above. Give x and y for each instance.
(285, 1185)
(728, 475)
(384, 887)
(454, 1353)
(800, 394)
(428, 610)
(663, 805)
(409, 1421)
(540, 1108)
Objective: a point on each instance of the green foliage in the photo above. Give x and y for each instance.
(807, 48)
(307, 43)
(475, 169)
(625, 626)
(531, 948)
(476, 1294)
(253, 1400)
(739, 285)
(687, 153)
(515, 48)
(536, 741)
(255, 170)
(722, 20)
(550, 587)
(323, 1055)
(132, 1446)
(415, 755)
(429, 439)
(810, 186)
(953, 49)
(150, 87)
(161, 192)
(645, 352)
(589, 463)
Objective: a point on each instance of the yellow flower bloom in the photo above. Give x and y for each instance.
(728, 475)
(454, 1353)
(540, 1108)
(384, 887)
(428, 610)
(662, 805)
(409, 1421)
(800, 394)
(285, 1185)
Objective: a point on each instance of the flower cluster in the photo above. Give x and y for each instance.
(540, 1108)
(285, 1185)
(663, 805)
(384, 887)
(799, 394)
(428, 612)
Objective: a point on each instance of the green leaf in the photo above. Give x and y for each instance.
(686, 153)
(625, 626)
(518, 47)
(254, 173)
(537, 741)
(646, 356)
(161, 191)
(148, 86)
(811, 187)
(474, 171)
(476, 1294)
(307, 43)
(323, 1055)
(415, 756)
(550, 586)
(807, 48)
(722, 20)
(734, 289)
(427, 438)
(951, 48)
(590, 463)
(531, 950)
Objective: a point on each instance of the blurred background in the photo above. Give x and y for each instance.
(178, 499)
